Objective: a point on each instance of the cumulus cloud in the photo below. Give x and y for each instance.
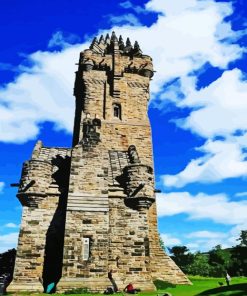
(136, 8)
(11, 225)
(241, 194)
(217, 208)
(221, 160)
(125, 19)
(43, 92)
(200, 240)
(182, 40)
(206, 234)
(214, 208)
(205, 240)
(185, 38)
(170, 240)
(62, 40)
(219, 110)
(224, 101)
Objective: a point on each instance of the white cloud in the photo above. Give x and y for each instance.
(224, 101)
(8, 241)
(59, 39)
(219, 110)
(221, 160)
(193, 247)
(183, 39)
(175, 8)
(169, 240)
(41, 93)
(206, 234)
(205, 240)
(136, 8)
(241, 194)
(11, 225)
(217, 208)
(214, 208)
(126, 19)
(236, 230)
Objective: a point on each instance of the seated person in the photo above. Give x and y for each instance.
(130, 289)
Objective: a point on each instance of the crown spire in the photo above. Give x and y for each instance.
(137, 50)
(111, 43)
(107, 39)
(114, 37)
(101, 39)
(121, 43)
(94, 42)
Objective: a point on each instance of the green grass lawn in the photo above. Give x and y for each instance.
(201, 286)
(210, 286)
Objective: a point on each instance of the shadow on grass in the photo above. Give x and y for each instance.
(238, 290)
(162, 285)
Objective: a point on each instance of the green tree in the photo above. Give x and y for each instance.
(182, 257)
(243, 238)
(220, 260)
(239, 256)
(200, 265)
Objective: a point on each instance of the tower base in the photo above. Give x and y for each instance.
(16, 286)
(100, 284)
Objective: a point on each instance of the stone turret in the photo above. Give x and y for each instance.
(35, 181)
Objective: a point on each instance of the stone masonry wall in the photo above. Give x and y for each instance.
(31, 245)
(108, 200)
(131, 237)
(129, 245)
(42, 192)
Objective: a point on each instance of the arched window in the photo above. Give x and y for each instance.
(117, 110)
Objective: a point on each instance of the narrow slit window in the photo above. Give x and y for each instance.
(86, 245)
(117, 110)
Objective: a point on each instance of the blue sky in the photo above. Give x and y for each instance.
(197, 109)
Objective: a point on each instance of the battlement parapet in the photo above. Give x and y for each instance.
(99, 57)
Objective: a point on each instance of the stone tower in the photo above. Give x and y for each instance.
(91, 208)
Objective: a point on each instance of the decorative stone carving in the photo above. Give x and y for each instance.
(133, 155)
(90, 135)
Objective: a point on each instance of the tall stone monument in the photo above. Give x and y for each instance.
(91, 208)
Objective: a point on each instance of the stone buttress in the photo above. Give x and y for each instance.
(107, 194)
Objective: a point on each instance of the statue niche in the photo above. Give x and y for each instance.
(90, 130)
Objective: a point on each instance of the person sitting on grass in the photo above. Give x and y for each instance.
(130, 289)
